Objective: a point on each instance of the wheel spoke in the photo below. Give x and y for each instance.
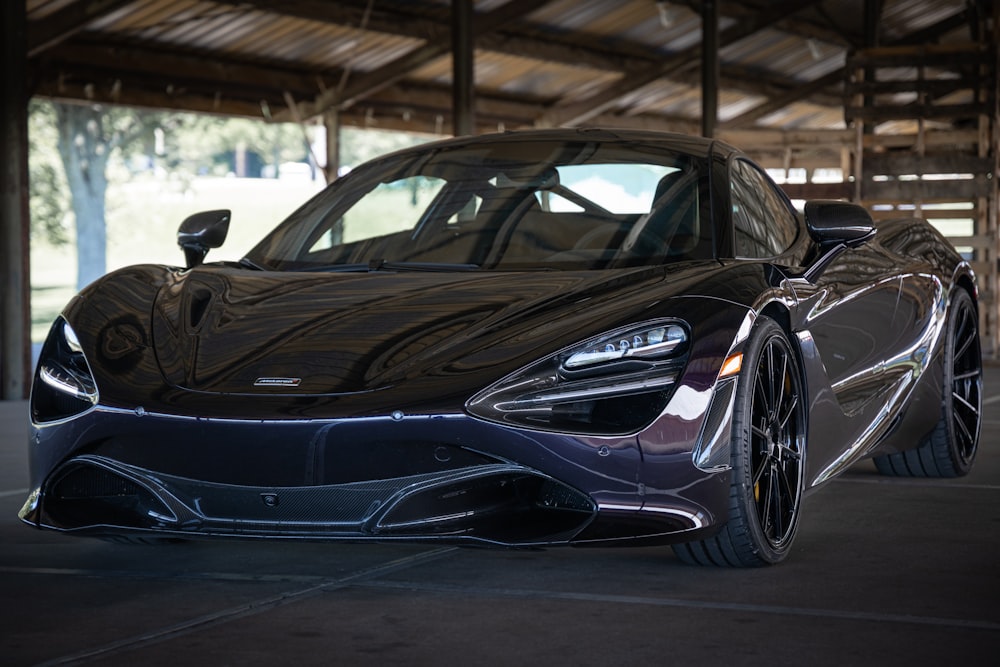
(760, 391)
(963, 431)
(777, 522)
(785, 485)
(964, 402)
(759, 473)
(770, 382)
(792, 405)
(965, 334)
(965, 345)
(790, 453)
(766, 387)
(784, 504)
(779, 381)
(765, 511)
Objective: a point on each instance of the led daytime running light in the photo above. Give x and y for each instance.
(62, 379)
(652, 343)
(587, 392)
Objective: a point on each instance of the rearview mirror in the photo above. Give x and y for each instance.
(201, 232)
(832, 222)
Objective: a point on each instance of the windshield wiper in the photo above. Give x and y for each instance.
(337, 268)
(377, 265)
(250, 264)
(383, 265)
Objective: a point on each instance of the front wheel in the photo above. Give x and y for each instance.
(768, 451)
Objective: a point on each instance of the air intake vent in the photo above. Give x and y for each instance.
(85, 495)
(93, 482)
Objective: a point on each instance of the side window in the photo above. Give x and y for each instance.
(763, 225)
(783, 224)
(749, 231)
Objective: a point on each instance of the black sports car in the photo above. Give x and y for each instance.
(553, 337)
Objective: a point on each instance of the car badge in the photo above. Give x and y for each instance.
(277, 382)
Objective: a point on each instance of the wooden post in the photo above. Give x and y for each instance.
(991, 228)
(331, 123)
(15, 329)
(463, 86)
(709, 67)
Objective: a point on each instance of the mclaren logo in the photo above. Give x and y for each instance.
(277, 382)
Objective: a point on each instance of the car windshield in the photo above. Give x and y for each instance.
(503, 205)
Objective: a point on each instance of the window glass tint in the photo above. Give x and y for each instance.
(762, 222)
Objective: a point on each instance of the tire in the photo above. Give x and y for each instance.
(950, 449)
(768, 457)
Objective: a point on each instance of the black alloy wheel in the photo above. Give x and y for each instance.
(774, 452)
(768, 442)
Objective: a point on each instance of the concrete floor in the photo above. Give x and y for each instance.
(884, 572)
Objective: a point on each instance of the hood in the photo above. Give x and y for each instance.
(227, 330)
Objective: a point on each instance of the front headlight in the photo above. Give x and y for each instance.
(64, 385)
(614, 384)
(647, 343)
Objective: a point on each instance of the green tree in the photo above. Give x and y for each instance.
(200, 143)
(49, 201)
(84, 146)
(360, 145)
(88, 135)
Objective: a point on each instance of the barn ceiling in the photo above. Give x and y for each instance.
(387, 63)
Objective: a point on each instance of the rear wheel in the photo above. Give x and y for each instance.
(951, 447)
(768, 442)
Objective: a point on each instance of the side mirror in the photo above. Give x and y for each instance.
(832, 222)
(201, 232)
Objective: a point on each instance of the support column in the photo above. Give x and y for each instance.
(463, 84)
(15, 292)
(872, 17)
(331, 123)
(709, 67)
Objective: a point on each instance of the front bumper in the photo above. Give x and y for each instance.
(498, 503)
(115, 472)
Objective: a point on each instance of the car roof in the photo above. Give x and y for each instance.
(683, 143)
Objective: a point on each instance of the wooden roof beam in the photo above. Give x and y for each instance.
(404, 106)
(103, 56)
(66, 22)
(580, 112)
(437, 45)
(383, 17)
(522, 38)
(782, 101)
(803, 91)
(791, 24)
